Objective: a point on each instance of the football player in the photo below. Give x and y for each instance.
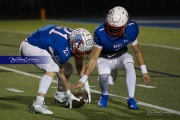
(110, 53)
(59, 43)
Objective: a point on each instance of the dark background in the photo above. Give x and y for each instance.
(56, 9)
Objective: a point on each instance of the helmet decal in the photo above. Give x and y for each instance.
(77, 38)
(110, 17)
(117, 17)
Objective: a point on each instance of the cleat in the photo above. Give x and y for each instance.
(60, 98)
(132, 104)
(40, 108)
(103, 101)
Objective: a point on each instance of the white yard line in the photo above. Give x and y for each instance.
(14, 90)
(15, 32)
(161, 46)
(24, 73)
(145, 86)
(144, 104)
(95, 91)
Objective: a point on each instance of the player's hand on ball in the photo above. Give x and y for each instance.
(76, 85)
(87, 89)
(80, 85)
(70, 98)
(82, 95)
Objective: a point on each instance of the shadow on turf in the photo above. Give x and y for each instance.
(28, 100)
(92, 112)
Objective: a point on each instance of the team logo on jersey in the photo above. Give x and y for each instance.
(101, 29)
(117, 45)
(126, 41)
(110, 56)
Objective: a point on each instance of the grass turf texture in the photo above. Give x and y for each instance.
(162, 63)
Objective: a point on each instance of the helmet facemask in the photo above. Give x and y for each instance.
(115, 31)
(79, 54)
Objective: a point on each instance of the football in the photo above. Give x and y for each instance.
(83, 99)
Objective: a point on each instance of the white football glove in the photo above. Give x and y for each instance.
(87, 89)
(70, 98)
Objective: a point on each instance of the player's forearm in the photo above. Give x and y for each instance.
(89, 68)
(91, 64)
(139, 56)
(81, 70)
(63, 79)
(64, 82)
(140, 59)
(80, 67)
(141, 62)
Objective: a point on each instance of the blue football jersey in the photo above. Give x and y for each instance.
(55, 37)
(112, 44)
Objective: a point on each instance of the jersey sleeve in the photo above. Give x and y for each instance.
(135, 42)
(98, 35)
(133, 31)
(96, 39)
(62, 54)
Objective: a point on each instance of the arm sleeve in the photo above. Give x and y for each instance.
(134, 42)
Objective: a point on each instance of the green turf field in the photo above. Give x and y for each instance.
(161, 49)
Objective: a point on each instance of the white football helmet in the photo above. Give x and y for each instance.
(116, 21)
(81, 43)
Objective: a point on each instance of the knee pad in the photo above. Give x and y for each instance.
(103, 77)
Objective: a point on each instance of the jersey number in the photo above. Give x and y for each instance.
(66, 51)
(59, 33)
